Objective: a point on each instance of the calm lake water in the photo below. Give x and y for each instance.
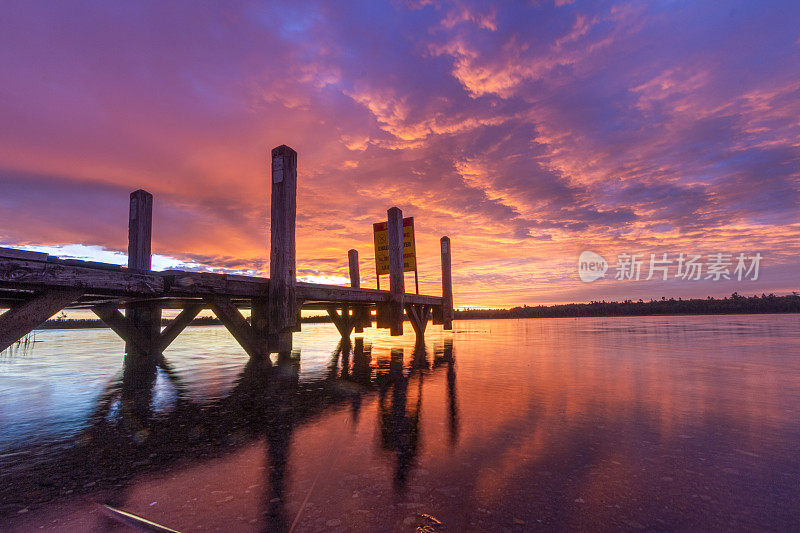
(664, 423)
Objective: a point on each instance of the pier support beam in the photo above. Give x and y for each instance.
(146, 318)
(141, 340)
(418, 316)
(177, 325)
(21, 320)
(246, 335)
(447, 285)
(361, 315)
(396, 279)
(344, 322)
(282, 300)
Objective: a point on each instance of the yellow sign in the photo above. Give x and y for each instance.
(380, 232)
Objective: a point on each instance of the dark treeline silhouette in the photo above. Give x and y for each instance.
(79, 323)
(734, 304)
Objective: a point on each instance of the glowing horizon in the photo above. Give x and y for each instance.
(527, 134)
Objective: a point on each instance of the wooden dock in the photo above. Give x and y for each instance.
(35, 286)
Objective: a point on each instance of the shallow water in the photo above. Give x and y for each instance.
(588, 423)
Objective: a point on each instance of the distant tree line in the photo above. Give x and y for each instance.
(62, 322)
(734, 304)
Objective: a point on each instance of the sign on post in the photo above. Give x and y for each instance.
(380, 232)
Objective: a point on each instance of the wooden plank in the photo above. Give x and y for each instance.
(124, 327)
(447, 285)
(180, 282)
(22, 273)
(396, 277)
(282, 295)
(175, 327)
(232, 319)
(22, 254)
(21, 320)
(176, 286)
(87, 264)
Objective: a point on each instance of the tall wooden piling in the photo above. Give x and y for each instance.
(145, 317)
(355, 282)
(447, 285)
(140, 230)
(282, 302)
(396, 279)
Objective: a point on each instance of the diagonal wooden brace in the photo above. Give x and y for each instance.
(127, 329)
(123, 326)
(418, 316)
(343, 322)
(177, 325)
(19, 321)
(255, 345)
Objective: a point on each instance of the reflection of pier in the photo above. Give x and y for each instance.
(125, 438)
(36, 286)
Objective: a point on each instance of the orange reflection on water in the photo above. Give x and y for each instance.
(660, 422)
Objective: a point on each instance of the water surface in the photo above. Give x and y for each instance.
(501, 425)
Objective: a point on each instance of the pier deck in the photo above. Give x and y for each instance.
(35, 286)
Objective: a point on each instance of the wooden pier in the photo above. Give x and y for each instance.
(35, 286)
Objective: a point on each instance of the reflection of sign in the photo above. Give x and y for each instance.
(381, 233)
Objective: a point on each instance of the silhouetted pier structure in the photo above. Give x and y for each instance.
(35, 286)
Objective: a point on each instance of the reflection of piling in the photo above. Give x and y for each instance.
(444, 355)
(138, 384)
(399, 427)
(362, 359)
(267, 402)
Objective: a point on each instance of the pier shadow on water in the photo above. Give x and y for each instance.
(130, 433)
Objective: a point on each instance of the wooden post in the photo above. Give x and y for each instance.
(396, 280)
(447, 285)
(282, 304)
(259, 321)
(146, 317)
(140, 230)
(355, 282)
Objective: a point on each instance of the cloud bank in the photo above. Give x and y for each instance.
(527, 133)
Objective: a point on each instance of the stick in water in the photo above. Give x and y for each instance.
(133, 520)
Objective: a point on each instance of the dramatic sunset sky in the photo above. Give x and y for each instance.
(526, 131)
